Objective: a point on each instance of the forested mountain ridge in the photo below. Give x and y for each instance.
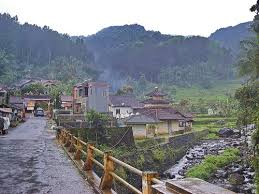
(133, 51)
(230, 37)
(27, 50)
(127, 51)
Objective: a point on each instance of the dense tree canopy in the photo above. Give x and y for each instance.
(35, 51)
(133, 51)
(248, 94)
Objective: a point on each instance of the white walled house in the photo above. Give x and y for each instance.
(123, 106)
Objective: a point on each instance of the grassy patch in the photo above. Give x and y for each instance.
(211, 163)
(158, 154)
(211, 136)
(218, 92)
(149, 142)
(204, 121)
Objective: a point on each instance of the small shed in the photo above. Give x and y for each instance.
(141, 125)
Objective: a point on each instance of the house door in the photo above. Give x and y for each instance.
(170, 128)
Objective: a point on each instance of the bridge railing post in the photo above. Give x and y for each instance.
(78, 150)
(107, 178)
(64, 137)
(61, 136)
(88, 165)
(67, 139)
(72, 144)
(147, 181)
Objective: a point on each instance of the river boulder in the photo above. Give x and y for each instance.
(236, 179)
(225, 132)
(221, 174)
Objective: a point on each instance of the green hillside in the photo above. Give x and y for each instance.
(31, 51)
(133, 51)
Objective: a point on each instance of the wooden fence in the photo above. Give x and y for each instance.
(83, 154)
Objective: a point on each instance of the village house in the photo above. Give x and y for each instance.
(142, 125)
(90, 96)
(123, 106)
(32, 100)
(18, 105)
(66, 102)
(158, 117)
(27, 82)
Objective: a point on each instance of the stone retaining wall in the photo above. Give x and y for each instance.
(178, 141)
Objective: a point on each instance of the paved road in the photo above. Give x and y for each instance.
(31, 162)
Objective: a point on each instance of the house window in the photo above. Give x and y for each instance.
(86, 91)
(182, 124)
(80, 92)
(118, 111)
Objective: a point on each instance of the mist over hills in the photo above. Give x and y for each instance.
(133, 51)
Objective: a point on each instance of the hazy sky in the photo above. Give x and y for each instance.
(85, 17)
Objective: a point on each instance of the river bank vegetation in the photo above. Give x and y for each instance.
(212, 163)
(248, 94)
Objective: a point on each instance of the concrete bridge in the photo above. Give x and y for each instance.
(32, 162)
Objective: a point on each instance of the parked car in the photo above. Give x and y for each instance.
(39, 112)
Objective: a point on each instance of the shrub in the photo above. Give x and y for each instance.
(212, 136)
(158, 155)
(121, 173)
(140, 161)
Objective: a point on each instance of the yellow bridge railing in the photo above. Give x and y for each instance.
(83, 153)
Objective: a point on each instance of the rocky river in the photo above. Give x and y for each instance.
(238, 176)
